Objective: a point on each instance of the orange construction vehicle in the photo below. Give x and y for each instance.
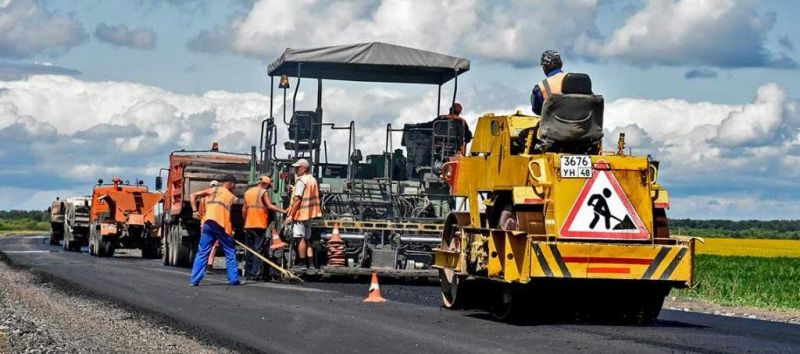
(123, 216)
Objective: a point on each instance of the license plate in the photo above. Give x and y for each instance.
(576, 166)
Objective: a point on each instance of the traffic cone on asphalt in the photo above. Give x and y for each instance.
(277, 243)
(374, 294)
(336, 249)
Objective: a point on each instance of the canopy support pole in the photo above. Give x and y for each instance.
(439, 102)
(294, 110)
(314, 128)
(455, 88)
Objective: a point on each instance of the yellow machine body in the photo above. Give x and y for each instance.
(497, 173)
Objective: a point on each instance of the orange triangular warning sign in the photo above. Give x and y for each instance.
(603, 211)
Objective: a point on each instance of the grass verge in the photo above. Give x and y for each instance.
(772, 283)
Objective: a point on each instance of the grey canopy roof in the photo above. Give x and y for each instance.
(374, 61)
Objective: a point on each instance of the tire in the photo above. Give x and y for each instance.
(54, 236)
(182, 252)
(107, 248)
(165, 250)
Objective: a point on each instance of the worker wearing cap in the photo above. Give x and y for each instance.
(216, 226)
(304, 207)
(551, 65)
(256, 218)
(455, 115)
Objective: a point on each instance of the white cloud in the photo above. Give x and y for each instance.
(121, 36)
(704, 33)
(68, 132)
(745, 154)
(485, 29)
(723, 33)
(27, 29)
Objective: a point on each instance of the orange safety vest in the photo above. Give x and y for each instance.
(218, 208)
(309, 204)
(257, 216)
(554, 82)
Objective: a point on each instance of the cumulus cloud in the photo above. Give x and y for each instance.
(484, 29)
(721, 33)
(121, 36)
(701, 73)
(27, 29)
(715, 33)
(59, 132)
(713, 152)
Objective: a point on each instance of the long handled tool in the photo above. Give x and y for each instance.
(271, 263)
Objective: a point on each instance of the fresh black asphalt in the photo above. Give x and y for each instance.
(331, 318)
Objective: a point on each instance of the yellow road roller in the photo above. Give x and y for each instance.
(549, 220)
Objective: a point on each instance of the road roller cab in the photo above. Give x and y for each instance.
(587, 218)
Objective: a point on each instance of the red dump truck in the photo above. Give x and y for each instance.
(189, 172)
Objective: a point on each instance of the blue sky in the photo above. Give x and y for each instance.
(129, 81)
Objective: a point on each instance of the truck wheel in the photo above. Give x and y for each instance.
(182, 252)
(107, 247)
(54, 236)
(151, 248)
(165, 251)
(91, 242)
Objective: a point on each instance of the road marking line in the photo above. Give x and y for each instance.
(28, 251)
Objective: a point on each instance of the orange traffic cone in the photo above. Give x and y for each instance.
(374, 294)
(337, 250)
(277, 243)
(335, 237)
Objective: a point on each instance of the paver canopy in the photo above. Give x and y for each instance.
(374, 62)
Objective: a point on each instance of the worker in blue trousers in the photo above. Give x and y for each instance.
(216, 226)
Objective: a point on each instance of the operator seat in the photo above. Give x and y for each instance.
(572, 121)
(305, 131)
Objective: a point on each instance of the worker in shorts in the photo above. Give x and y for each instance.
(304, 207)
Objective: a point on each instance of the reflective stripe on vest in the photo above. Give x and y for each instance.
(257, 217)
(309, 204)
(554, 82)
(218, 208)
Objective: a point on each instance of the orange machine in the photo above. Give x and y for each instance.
(123, 216)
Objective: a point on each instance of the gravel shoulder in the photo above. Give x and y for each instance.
(36, 316)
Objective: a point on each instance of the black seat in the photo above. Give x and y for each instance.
(305, 127)
(572, 121)
(577, 83)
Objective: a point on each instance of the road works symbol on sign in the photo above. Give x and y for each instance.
(603, 211)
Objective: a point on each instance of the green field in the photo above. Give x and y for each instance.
(747, 281)
(24, 225)
(24, 220)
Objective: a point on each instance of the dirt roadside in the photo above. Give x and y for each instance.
(37, 317)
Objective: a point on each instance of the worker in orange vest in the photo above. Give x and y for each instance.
(216, 226)
(551, 65)
(257, 204)
(305, 206)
